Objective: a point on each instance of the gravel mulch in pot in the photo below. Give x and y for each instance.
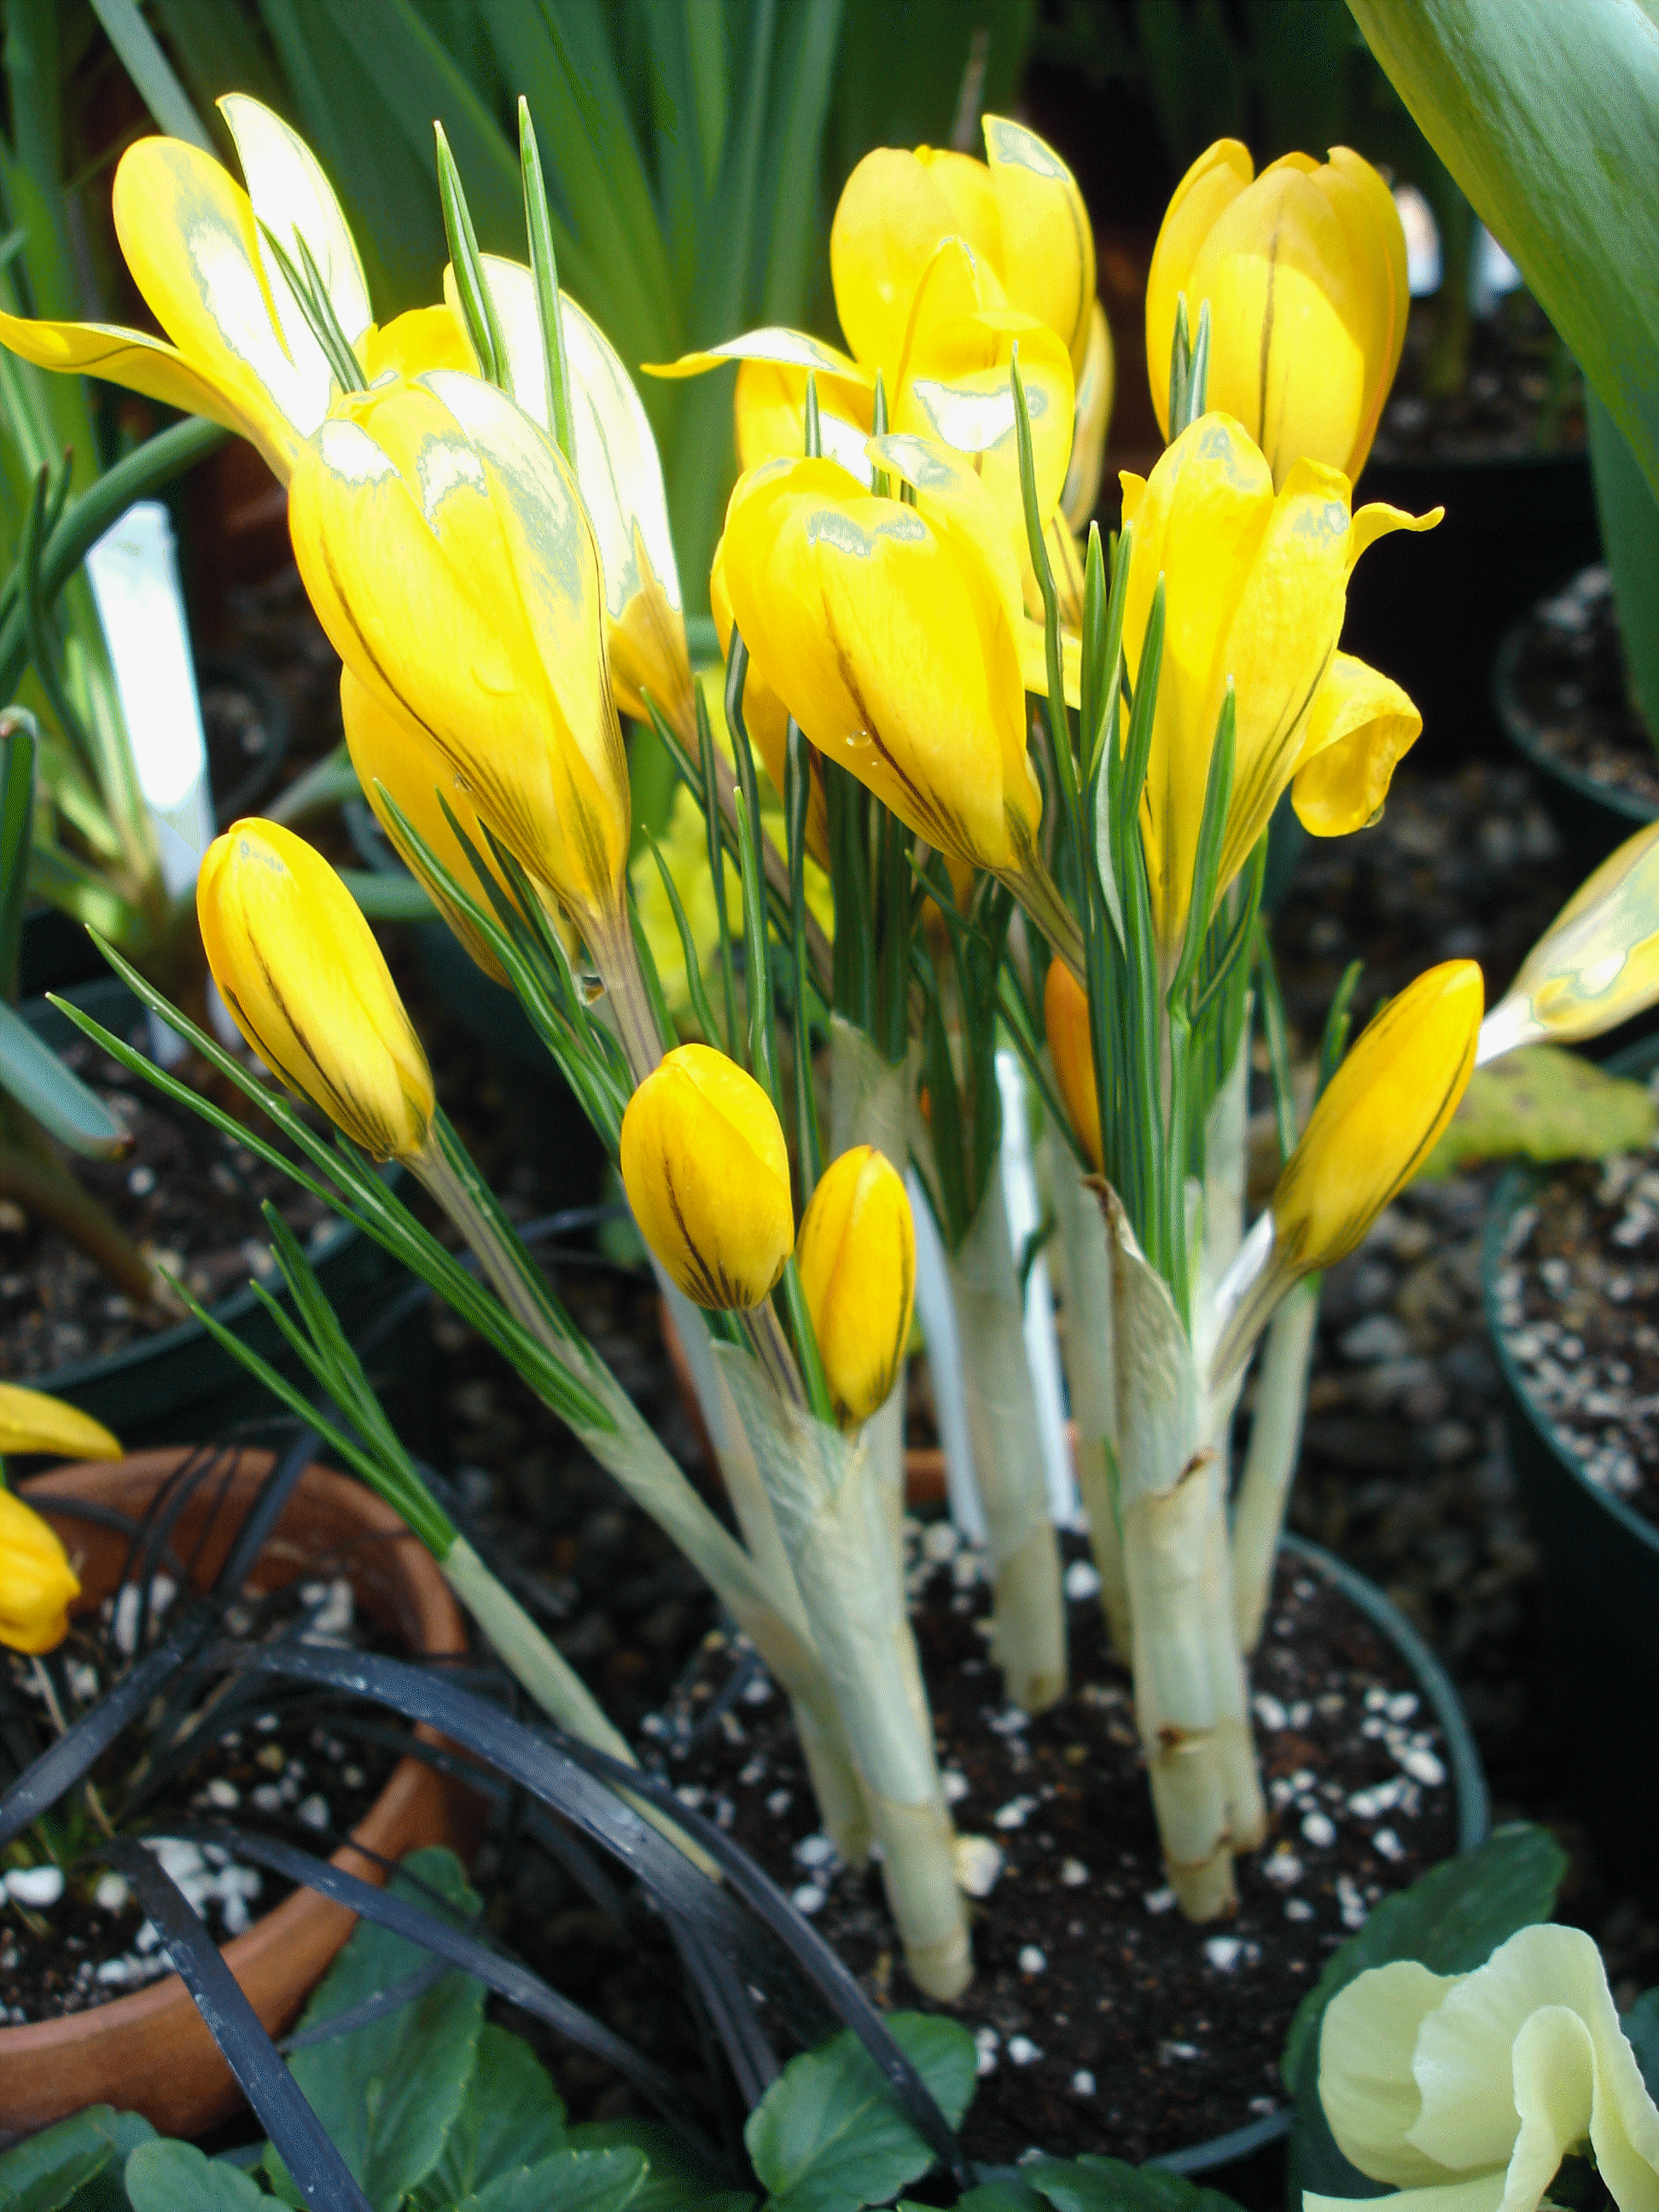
(1570, 684)
(1104, 2021)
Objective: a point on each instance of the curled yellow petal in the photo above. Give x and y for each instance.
(1359, 727)
(707, 1172)
(37, 1584)
(309, 989)
(30, 1421)
(857, 1255)
(135, 362)
(1047, 264)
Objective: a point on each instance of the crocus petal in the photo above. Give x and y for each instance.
(414, 342)
(138, 363)
(292, 199)
(770, 344)
(1377, 238)
(1096, 386)
(1361, 726)
(1215, 180)
(1371, 2100)
(187, 231)
(765, 717)
(969, 187)
(891, 216)
(1483, 2193)
(1047, 264)
(30, 1421)
(1377, 521)
(769, 406)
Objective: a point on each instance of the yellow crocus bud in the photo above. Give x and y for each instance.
(707, 1172)
(37, 1584)
(1071, 1048)
(857, 1256)
(32, 1422)
(1304, 271)
(309, 989)
(394, 756)
(1380, 1117)
(447, 553)
(1256, 585)
(890, 632)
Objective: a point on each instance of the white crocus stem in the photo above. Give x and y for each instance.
(833, 1523)
(1091, 1376)
(542, 1671)
(766, 1606)
(1029, 1617)
(1271, 1461)
(869, 1104)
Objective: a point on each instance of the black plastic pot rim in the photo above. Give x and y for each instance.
(1525, 736)
(1474, 465)
(1473, 1823)
(1514, 1191)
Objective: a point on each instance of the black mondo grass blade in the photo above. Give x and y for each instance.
(318, 2170)
(457, 1948)
(574, 1782)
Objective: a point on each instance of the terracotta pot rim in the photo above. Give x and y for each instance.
(445, 1631)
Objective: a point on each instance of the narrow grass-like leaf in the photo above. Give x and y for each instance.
(545, 269)
(483, 324)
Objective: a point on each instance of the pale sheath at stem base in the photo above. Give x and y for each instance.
(1029, 1617)
(1270, 1462)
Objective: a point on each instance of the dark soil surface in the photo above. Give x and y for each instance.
(1521, 395)
(1573, 687)
(276, 1770)
(1577, 1301)
(186, 1196)
(1105, 2021)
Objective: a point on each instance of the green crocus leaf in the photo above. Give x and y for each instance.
(1555, 140)
(829, 2136)
(1548, 1103)
(1450, 1921)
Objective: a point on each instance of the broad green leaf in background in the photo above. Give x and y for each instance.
(389, 2093)
(512, 2116)
(1548, 1104)
(150, 70)
(1548, 117)
(569, 2181)
(175, 2177)
(829, 2136)
(70, 2161)
(1450, 1921)
(1641, 2026)
(32, 1073)
(1107, 2184)
(1628, 511)
(678, 2177)
(993, 2197)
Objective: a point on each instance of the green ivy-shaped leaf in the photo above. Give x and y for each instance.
(569, 2181)
(175, 2177)
(49, 2170)
(511, 2118)
(829, 2136)
(1107, 2184)
(678, 2180)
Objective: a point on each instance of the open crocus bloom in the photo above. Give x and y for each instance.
(1466, 2091)
(37, 1584)
(1255, 585)
(1303, 268)
(242, 353)
(941, 265)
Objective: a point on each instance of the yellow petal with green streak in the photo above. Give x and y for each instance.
(293, 199)
(1360, 727)
(188, 234)
(1047, 264)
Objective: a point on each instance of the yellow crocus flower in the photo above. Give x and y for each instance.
(309, 989)
(1304, 271)
(1596, 965)
(857, 1255)
(241, 352)
(395, 757)
(707, 1172)
(1381, 1115)
(766, 718)
(940, 264)
(1255, 585)
(448, 555)
(30, 1421)
(891, 632)
(37, 1584)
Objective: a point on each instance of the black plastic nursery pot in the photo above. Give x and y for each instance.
(1594, 819)
(1601, 1563)
(180, 1387)
(1429, 611)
